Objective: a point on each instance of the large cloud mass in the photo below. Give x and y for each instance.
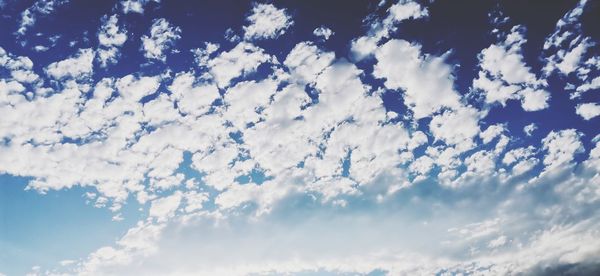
(253, 161)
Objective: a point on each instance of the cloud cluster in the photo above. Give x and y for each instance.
(266, 22)
(253, 164)
(162, 37)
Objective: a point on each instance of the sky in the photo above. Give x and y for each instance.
(392, 137)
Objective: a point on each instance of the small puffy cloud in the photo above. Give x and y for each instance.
(323, 32)
(77, 66)
(529, 129)
(491, 132)
(266, 22)
(306, 61)
(505, 76)
(565, 47)
(588, 111)
(534, 100)
(110, 39)
(426, 81)
(561, 147)
(135, 6)
(132, 87)
(162, 38)
(202, 55)
(165, 207)
(193, 98)
(243, 59)
(456, 127)
(365, 46)
(590, 85)
(40, 7)
(40, 48)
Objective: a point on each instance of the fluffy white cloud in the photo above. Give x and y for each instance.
(162, 38)
(365, 46)
(110, 39)
(323, 32)
(534, 100)
(591, 85)
(561, 148)
(193, 98)
(505, 76)
(456, 127)
(266, 22)
(306, 61)
(40, 7)
(565, 46)
(80, 65)
(21, 71)
(243, 59)
(588, 111)
(426, 80)
(165, 207)
(290, 164)
(529, 129)
(203, 54)
(136, 6)
(492, 132)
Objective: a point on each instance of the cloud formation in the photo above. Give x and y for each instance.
(248, 160)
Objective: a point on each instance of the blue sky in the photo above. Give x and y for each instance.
(404, 137)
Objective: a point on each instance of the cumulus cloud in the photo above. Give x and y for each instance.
(135, 6)
(505, 76)
(426, 81)
(323, 32)
(81, 64)
(110, 39)
(266, 22)
(243, 59)
(561, 147)
(588, 111)
(39, 8)
(302, 167)
(365, 46)
(162, 38)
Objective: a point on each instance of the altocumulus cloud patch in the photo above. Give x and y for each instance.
(245, 138)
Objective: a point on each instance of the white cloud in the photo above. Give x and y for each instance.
(75, 67)
(306, 61)
(135, 6)
(565, 47)
(529, 129)
(40, 48)
(505, 76)
(110, 39)
(40, 7)
(456, 127)
(163, 37)
(134, 88)
(492, 132)
(330, 171)
(534, 100)
(365, 46)
(203, 54)
(588, 111)
(243, 59)
(266, 22)
(165, 207)
(426, 80)
(591, 85)
(323, 32)
(192, 98)
(561, 148)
